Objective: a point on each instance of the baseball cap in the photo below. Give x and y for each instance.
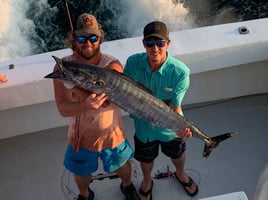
(156, 29)
(87, 24)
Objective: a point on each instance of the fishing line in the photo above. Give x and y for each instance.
(66, 187)
(69, 16)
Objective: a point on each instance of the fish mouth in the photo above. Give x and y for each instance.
(55, 75)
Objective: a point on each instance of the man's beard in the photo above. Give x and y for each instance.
(89, 56)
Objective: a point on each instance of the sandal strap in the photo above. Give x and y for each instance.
(145, 194)
(148, 192)
(189, 185)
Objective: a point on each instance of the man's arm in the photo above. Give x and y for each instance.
(116, 65)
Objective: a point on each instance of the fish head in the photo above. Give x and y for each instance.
(80, 74)
(60, 73)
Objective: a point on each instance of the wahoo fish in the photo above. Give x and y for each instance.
(130, 97)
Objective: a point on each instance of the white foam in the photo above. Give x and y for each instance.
(138, 13)
(15, 28)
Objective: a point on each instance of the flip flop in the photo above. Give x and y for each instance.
(148, 192)
(91, 195)
(187, 185)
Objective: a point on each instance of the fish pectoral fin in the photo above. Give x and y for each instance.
(215, 141)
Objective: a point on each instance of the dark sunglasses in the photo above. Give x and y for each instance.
(83, 39)
(150, 44)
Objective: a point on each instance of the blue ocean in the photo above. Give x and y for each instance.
(36, 26)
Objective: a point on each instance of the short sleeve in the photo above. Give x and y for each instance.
(182, 86)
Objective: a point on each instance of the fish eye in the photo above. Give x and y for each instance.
(100, 83)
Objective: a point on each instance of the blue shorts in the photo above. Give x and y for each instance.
(85, 162)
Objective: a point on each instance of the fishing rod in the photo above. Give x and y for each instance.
(69, 16)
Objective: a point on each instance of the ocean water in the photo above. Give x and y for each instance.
(35, 26)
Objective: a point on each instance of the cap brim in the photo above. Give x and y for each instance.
(155, 35)
(87, 31)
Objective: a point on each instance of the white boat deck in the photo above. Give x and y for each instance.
(31, 165)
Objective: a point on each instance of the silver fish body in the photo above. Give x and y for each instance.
(131, 97)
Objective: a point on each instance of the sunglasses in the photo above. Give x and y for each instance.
(150, 44)
(83, 39)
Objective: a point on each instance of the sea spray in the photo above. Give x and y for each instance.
(13, 30)
(36, 26)
(21, 28)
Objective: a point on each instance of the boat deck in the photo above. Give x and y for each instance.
(31, 164)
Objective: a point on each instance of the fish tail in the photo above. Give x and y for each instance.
(215, 141)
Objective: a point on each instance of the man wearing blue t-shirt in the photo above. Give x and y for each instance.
(168, 79)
